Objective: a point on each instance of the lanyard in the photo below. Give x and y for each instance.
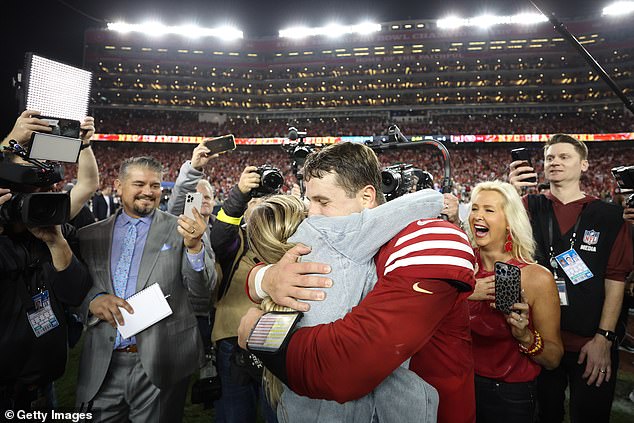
(553, 262)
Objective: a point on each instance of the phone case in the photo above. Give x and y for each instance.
(192, 200)
(508, 285)
(523, 154)
(220, 144)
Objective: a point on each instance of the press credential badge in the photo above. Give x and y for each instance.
(42, 318)
(574, 267)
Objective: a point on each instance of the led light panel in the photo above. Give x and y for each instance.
(55, 89)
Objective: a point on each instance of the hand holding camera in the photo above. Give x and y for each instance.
(5, 195)
(249, 179)
(26, 124)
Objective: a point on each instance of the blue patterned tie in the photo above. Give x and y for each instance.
(122, 270)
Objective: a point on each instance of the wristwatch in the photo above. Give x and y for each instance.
(609, 335)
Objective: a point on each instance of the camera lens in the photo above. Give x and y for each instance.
(390, 181)
(272, 180)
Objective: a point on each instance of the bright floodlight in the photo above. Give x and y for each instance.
(55, 89)
(157, 28)
(332, 30)
(486, 21)
(619, 8)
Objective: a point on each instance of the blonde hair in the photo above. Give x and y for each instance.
(271, 223)
(269, 226)
(516, 218)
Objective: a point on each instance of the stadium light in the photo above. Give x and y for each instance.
(619, 8)
(486, 21)
(332, 30)
(193, 31)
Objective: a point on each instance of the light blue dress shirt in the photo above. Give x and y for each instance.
(143, 228)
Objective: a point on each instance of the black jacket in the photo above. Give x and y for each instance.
(229, 240)
(25, 269)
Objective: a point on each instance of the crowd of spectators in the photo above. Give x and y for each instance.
(295, 71)
(470, 164)
(156, 122)
(453, 80)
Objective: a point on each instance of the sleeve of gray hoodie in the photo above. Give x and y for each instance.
(360, 235)
(186, 182)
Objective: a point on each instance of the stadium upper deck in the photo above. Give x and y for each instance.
(406, 66)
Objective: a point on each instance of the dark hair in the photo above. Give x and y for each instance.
(579, 146)
(354, 165)
(144, 161)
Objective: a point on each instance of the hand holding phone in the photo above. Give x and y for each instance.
(192, 199)
(522, 154)
(220, 145)
(508, 286)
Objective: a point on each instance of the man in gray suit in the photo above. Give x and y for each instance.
(143, 378)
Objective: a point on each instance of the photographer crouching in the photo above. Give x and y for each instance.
(39, 277)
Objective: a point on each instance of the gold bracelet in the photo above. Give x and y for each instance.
(536, 347)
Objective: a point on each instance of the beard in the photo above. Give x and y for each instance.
(146, 209)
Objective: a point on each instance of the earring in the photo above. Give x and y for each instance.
(508, 245)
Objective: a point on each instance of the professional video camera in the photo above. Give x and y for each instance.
(297, 151)
(26, 206)
(624, 176)
(398, 179)
(271, 181)
(394, 178)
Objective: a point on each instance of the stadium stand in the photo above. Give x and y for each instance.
(509, 79)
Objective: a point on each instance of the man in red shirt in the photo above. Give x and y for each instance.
(417, 308)
(566, 220)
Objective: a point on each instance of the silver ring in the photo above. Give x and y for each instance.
(520, 320)
(603, 371)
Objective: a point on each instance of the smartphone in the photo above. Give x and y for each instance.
(192, 199)
(508, 286)
(220, 144)
(624, 176)
(523, 155)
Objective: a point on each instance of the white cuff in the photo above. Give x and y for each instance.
(259, 276)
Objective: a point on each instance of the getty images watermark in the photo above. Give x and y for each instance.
(48, 416)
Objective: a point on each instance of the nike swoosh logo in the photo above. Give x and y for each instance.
(417, 288)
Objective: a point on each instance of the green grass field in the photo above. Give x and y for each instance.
(622, 410)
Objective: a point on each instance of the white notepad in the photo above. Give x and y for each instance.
(149, 305)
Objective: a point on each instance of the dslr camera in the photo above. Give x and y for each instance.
(271, 181)
(624, 176)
